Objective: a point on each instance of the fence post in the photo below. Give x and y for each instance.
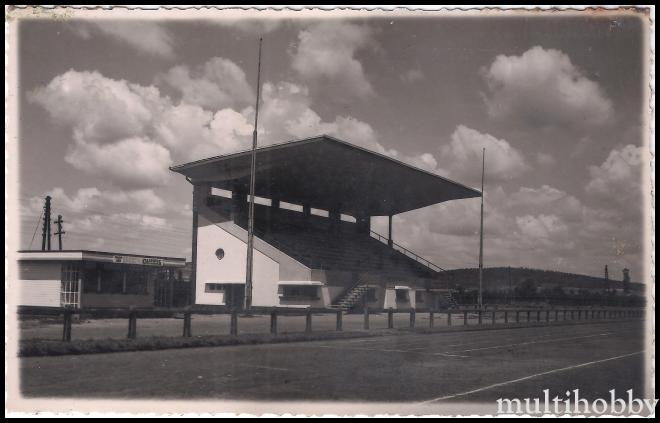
(547, 316)
(465, 317)
(493, 315)
(506, 316)
(449, 318)
(66, 330)
(187, 330)
(431, 318)
(366, 318)
(517, 316)
(529, 314)
(564, 314)
(132, 324)
(233, 323)
(390, 318)
(273, 322)
(480, 316)
(412, 318)
(338, 328)
(308, 321)
(579, 315)
(538, 315)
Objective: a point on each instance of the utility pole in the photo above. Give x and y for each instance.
(59, 232)
(481, 231)
(510, 288)
(45, 235)
(608, 285)
(250, 243)
(607, 273)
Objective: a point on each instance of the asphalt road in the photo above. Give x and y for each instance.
(413, 368)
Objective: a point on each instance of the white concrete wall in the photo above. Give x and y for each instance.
(231, 269)
(390, 298)
(270, 265)
(40, 283)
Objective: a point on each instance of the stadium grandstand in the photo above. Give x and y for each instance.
(313, 243)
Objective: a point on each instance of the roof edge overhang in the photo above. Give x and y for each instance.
(184, 166)
(82, 254)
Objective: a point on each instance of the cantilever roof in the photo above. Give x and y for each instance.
(329, 174)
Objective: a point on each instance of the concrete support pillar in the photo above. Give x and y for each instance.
(273, 211)
(389, 231)
(238, 202)
(363, 224)
(335, 220)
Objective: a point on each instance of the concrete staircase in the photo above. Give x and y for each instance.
(449, 298)
(350, 298)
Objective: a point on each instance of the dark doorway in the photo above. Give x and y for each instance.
(234, 295)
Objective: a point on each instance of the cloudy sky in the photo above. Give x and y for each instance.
(107, 106)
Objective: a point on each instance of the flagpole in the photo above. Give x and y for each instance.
(250, 242)
(481, 231)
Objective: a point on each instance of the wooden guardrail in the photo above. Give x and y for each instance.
(507, 315)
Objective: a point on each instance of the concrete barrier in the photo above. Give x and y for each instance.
(132, 315)
(273, 322)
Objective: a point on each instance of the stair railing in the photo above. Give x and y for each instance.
(346, 292)
(407, 252)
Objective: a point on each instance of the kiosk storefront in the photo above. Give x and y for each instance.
(100, 279)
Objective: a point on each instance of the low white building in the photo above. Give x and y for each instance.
(100, 279)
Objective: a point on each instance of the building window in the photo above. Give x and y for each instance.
(112, 280)
(70, 288)
(91, 277)
(402, 295)
(220, 253)
(136, 282)
(300, 292)
(214, 287)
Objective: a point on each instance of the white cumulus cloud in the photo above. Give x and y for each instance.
(618, 178)
(217, 84)
(463, 156)
(543, 87)
(135, 161)
(326, 52)
(146, 37)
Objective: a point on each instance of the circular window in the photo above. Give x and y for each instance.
(219, 253)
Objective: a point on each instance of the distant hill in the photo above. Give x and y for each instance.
(501, 278)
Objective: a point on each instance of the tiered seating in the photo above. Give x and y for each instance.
(311, 241)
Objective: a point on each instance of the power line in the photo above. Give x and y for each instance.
(35, 228)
